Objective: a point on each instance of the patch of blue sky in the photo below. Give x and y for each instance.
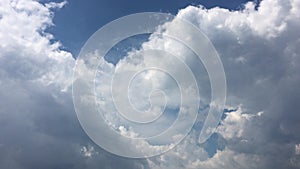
(120, 50)
(79, 19)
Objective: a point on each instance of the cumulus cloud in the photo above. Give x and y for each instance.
(260, 52)
(28, 53)
(257, 47)
(234, 124)
(261, 60)
(38, 125)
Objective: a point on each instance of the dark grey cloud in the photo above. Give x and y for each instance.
(41, 131)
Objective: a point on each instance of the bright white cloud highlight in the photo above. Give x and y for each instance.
(27, 52)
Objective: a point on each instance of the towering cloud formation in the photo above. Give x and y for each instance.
(259, 51)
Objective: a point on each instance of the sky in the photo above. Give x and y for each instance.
(78, 20)
(258, 45)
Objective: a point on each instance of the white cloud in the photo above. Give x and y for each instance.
(36, 107)
(88, 151)
(258, 51)
(191, 155)
(27, 52)
(182, 156)
(56, 5)
(234, 124)
(297, 149)
(142, 86)
(228, 159)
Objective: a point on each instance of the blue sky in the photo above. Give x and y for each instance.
(79, 19)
